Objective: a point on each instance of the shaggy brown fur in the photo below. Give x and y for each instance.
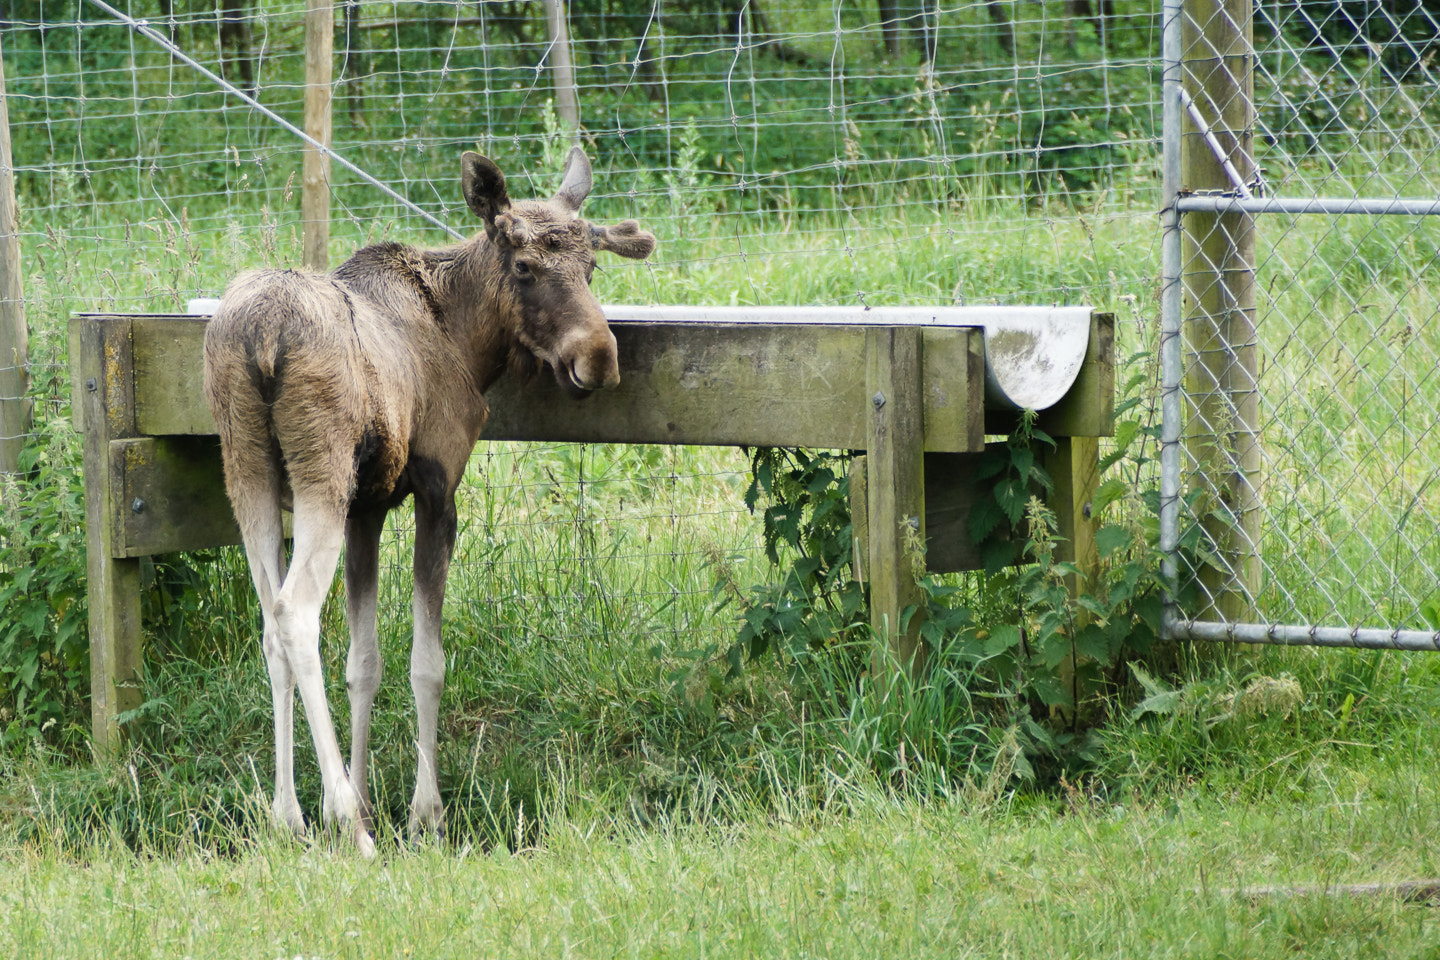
(339, 395)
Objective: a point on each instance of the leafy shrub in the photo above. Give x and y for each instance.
(1024, 661)
(44, 637)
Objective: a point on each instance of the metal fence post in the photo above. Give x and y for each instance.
(1218, 271)
(15, 408)
(1171, 307)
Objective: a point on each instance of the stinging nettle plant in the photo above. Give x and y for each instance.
(1034, 646)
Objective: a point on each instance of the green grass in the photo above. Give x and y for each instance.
(1074, 876)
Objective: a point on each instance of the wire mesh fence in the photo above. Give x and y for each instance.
(791, 153)
(784, 153)
(1308, 481)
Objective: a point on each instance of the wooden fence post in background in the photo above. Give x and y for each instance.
(14, 338)
(567, 101)
(1222, 429)
(315, 174)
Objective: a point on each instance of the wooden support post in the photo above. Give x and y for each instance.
(315, 173)
(1222, 438)
(1074, 468)
(15, 409)
(567, 102)
(103, 393)
(895, 487)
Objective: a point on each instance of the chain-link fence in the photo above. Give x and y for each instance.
(1303, 167)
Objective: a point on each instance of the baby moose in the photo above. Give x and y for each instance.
(337, 396)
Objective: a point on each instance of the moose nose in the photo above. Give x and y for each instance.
(596, 365)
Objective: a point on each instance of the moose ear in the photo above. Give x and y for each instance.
(624, 239)
(575, 185)
(484, 188)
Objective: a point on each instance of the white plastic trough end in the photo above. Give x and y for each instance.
(1033, 357)
(1032, 354)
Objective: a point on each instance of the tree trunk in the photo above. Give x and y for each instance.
(1083, 10)
(235, 35)
(1005, 33)
(646, 73)
(15, 406)
(765, 40)
(923, 28)
(890, 27)
(167, 13)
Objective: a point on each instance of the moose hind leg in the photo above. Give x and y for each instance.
(286, 805)
(363, 666)
(319, 531)
(256, 497)
(434, 543)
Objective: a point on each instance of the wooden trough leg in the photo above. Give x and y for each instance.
(895, 487)
(102, 391)
(1074, 468)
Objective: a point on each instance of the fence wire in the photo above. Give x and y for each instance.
(793, 153)
(1309, 509)
(783, 152)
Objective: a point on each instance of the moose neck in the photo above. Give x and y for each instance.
(479, 317)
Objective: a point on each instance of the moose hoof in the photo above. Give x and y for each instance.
(364, 843)
(426, 824)
(288, 817)
(421, 832)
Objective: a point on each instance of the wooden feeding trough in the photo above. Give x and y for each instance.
(917, 389)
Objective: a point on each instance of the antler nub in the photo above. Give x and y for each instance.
(625, 239)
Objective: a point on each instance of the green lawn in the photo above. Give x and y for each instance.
(1068, 877)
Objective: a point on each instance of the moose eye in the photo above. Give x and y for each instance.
(523, 271)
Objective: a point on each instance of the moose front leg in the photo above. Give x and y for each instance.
(434, 542)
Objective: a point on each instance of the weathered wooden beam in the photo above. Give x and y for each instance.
(1074, 468)
(168, 494)
(103, 378)
(727, 384)
(750, 384)
(170, 377)
(952, 491)
(895, 489)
